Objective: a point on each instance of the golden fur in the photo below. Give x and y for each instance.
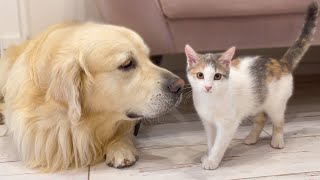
(66, 99)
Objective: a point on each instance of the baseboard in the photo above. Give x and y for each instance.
(308, 69)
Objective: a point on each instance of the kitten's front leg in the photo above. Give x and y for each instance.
(210, 133)
(224, 135)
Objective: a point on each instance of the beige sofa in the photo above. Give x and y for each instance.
(167, 25)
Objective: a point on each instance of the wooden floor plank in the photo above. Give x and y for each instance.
(240, 161)
(300, 128)
(179, 134)
(8, 151)
(292, 176)
(301, 154)
(16, 170)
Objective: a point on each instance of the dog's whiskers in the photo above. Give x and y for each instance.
(186, 88)
(187, 95)
(145, 121)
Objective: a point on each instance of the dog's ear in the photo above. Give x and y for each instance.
(66, 84)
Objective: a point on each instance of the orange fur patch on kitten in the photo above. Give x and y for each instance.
(276, 69)
(197, 69)
(235, 63)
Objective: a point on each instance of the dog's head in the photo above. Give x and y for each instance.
(107, 69)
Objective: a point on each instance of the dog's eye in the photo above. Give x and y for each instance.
(129, 64)
(200, 75)
(217, 76)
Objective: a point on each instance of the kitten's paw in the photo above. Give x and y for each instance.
(204, 157)
(277, 142)
(250, 140)
(120, 157)
(209, 164)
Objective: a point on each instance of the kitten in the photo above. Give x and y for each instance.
(225, 91)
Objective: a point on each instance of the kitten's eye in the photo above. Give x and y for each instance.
(200, 75)
(129, 64)
(217, 76)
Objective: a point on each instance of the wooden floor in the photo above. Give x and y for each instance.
(170, 148)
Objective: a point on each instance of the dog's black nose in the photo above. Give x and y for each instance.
(176, 86)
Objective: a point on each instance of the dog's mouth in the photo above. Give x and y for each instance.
(155, 112)
(132, 115)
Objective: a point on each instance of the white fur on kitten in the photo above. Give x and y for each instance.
(222, 108)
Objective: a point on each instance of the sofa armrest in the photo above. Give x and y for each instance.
(143, 16)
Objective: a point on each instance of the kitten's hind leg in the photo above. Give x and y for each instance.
(259, 122)
(276, 115)
(277, 141)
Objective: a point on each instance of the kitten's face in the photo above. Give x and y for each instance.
(208, 73)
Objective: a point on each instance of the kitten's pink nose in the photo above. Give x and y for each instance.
(208, 88)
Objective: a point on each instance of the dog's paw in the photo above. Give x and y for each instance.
(209, 164)
(277, 142)
(121, 157)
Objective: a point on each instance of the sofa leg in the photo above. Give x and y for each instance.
(157, 59)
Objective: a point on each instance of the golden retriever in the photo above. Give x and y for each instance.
(70, 95)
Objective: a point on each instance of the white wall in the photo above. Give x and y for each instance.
(9, 19)
(11, 29)
(42, 13)
(21, 19)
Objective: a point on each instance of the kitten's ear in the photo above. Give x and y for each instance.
(192, 56)
(227, 57)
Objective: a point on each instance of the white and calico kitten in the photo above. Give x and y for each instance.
(226, 91)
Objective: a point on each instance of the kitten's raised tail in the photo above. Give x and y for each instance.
(294, 54)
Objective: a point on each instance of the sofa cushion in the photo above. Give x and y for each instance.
(179, 9)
